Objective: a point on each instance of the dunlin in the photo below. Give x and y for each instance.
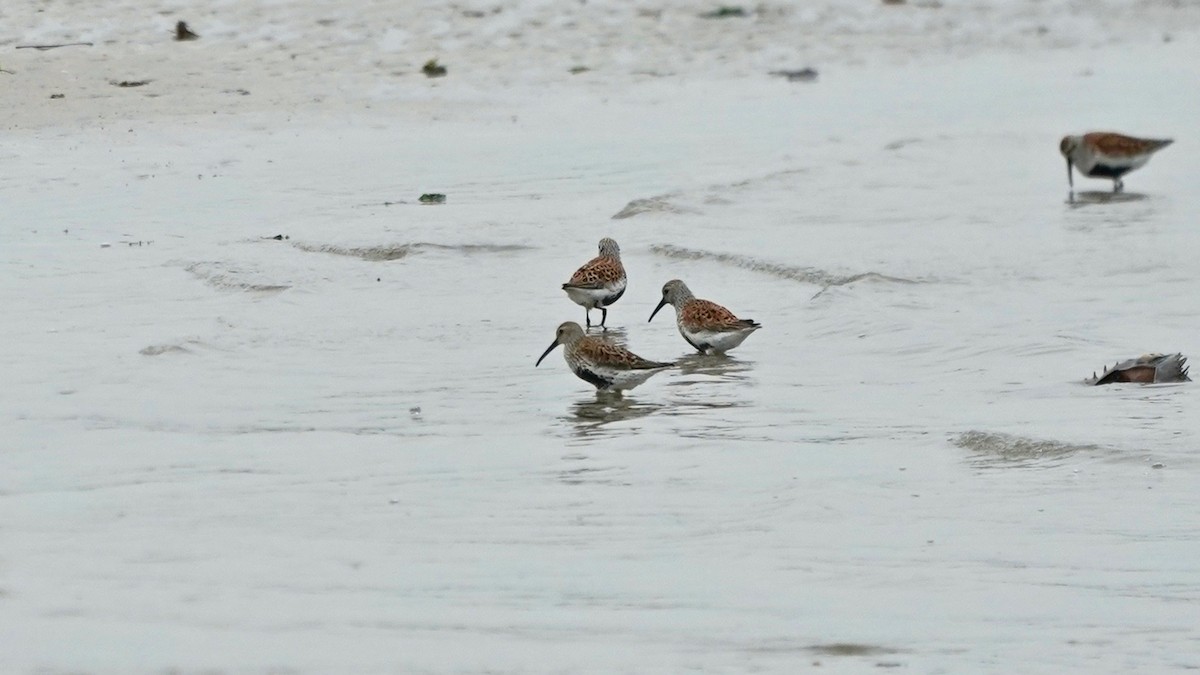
(1146, 369)
(599, 283)
(706, 325)
(1103, 154)
(608, 366)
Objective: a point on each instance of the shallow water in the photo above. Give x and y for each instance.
(332, 452)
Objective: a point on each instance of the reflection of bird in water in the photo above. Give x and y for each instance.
(591, 416)
(713, 365)
(1089, 197)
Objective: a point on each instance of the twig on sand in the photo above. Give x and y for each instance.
(43, 48)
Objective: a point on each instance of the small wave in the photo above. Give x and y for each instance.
(158, 350)
(901, 142)
(659, 204)
(372, 253)
(474, 248)
(184, 346)
(808, 275)
(389, 252)
(782, 176)
(1009, 449)
(715, 194)
(220, 276)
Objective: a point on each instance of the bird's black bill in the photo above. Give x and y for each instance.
(545, 353)
(660, 306)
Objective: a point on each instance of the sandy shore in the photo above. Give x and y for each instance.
(326, 57)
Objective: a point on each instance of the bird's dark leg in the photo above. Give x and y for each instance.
(603, 317)
(587, 317)
(1118, 185)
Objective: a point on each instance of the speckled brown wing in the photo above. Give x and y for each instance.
(708, 315)
(610, 355)
(1119, 145)
(597, 273)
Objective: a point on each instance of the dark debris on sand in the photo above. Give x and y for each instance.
(801, 75)
(433, 69)
(183, 33)
(726, 12)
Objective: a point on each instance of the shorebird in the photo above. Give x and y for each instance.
(1103, 154)
(1146, 369)
(608, 366)
(707, 326)
(599, 283)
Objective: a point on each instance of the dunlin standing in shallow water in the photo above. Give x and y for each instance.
(608, 366)
(1103, 154)
(706, 325)
(1145, 369)
(599, 283)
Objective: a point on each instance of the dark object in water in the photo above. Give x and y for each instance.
(1145, 369)
(725, 12)
(432, 198)
(433, 69)
(130, 83)
(58, 95)
(802, 75)
(182, 32)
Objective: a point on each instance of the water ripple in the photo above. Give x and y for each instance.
(808, 275)
(999, 450)
(387, 252)
(224, 275)
(656, 204)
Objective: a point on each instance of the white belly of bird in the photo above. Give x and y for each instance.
(592, 298)
(1135, 162)
(717, 341)
(628, 379)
